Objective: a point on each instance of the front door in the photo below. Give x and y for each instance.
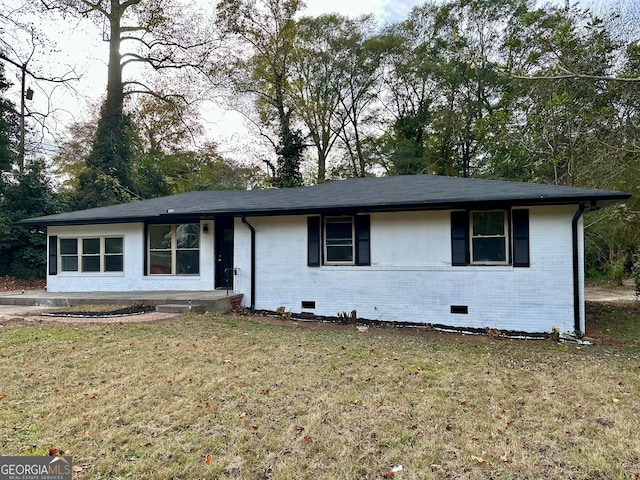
(223, 227)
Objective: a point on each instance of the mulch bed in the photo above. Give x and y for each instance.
(119, 312)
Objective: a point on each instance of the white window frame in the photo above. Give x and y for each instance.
(80, 254)
(326, 245)
(504, 235)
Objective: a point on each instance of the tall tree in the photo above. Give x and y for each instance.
(360, 63)
(567, 120)
(320, 79)
(165, 159)
(9, 127)
(261, 36)
(410, 88)
(156, 34)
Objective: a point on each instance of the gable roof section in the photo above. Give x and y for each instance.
(407, 192)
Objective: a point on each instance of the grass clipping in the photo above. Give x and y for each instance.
(204, 396)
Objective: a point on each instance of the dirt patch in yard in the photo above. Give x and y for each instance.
(9, 284)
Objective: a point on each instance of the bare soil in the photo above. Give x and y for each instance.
(9, 284)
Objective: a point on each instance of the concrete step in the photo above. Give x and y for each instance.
(180, 308)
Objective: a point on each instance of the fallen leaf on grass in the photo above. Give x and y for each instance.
(208, 459)
(2, 396)
(478, 459)
(77, 469)
(389, 475)
(307, 439)
(616, 400)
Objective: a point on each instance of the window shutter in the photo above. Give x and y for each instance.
(520, 219)
(460, 238)
(313, 241)
(145, 251)
(363, 239)
(53, 255)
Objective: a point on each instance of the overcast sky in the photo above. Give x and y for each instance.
(385, 10)
(80, 45)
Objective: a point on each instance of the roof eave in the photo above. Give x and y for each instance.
(592, 202)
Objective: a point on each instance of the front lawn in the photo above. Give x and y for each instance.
(204, 396)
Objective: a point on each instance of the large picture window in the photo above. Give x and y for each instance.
(174, 249)
(92, 254)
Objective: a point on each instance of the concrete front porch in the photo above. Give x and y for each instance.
(217, 301)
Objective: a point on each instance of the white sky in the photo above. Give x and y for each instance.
(384, 10)
(80, 46)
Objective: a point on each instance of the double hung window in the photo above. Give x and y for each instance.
(338, 245)
(490, 237)
(338, 240)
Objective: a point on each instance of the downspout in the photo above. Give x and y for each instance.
(253, 261)
(576, 271)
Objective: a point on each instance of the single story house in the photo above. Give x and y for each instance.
(422, 249)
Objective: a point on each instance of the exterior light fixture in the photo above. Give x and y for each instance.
(29, 94)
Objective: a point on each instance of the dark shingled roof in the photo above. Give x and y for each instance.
(408, 192)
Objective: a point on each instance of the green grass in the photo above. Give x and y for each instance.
(619, 320)
(285, 400)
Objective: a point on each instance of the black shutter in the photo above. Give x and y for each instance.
(520, 219)
(145, 251)
(460, 238)
(363, 239)
(53, 255)
(313, 241)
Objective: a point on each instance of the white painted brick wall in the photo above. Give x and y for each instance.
(411, 277)
(132, 279)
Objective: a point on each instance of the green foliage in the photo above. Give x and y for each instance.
(9, 127)
(287, 173)
(636, 271)
(268, 29)
(611, 239)
(107, 178)
(23, 251)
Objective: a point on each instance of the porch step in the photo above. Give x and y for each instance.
(180, 308)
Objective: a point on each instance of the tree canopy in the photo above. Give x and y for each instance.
(505, 89)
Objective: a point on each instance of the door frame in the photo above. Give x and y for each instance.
(223, 228)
